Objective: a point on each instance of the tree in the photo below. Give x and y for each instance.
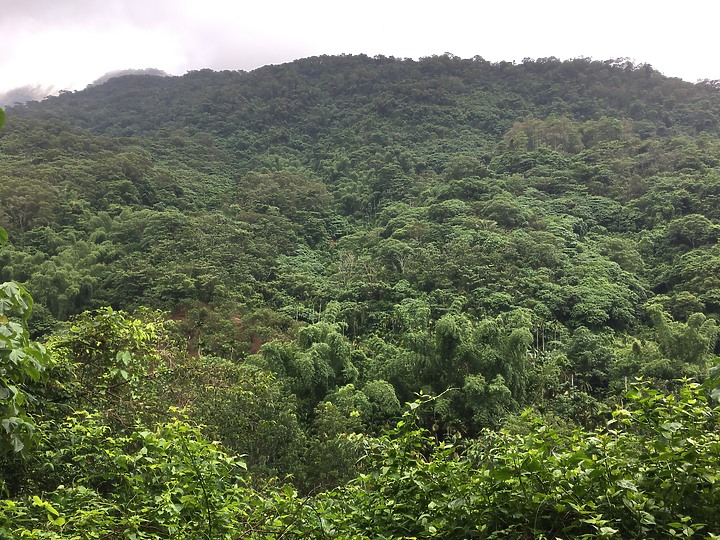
(557, 132)
(650, 470)
(22, 362)
(692, 230)
(320, 361)
(247, 409)
(113, 364)
(691, 342)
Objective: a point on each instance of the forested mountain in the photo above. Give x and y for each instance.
(305, 248)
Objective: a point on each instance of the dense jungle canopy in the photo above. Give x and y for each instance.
(355, 297)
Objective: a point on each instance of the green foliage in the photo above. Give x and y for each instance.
(163, 483)
(383, 402)
(320, 362)
(23, 363)
(650, 471)
(247, 410)
(330, 237)
(689, 342)
(712, 383)
(113, 363)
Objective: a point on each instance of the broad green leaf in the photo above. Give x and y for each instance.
(17, 443)
(125, 357)
(647, 519)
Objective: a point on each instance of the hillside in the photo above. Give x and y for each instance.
(306, 247)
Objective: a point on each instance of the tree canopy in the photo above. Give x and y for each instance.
(362, 297)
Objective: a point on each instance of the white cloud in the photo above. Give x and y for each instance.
(68, 44)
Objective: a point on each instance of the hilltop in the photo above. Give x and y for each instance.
(293, 253)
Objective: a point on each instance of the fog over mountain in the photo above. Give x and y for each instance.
(37, 92)
(119, 73)
(24, 94)
(66, 45)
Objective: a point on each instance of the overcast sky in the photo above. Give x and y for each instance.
(67, 44)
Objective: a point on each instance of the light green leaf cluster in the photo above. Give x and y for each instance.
(650, 472)
(22, 362)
